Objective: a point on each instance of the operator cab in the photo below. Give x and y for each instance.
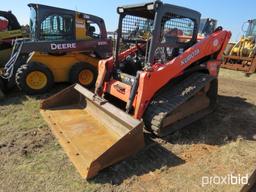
(52, 23)
(159, 31)
(251, 28)
(207, 26)
(8, 21)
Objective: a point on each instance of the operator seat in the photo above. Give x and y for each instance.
(91, 31)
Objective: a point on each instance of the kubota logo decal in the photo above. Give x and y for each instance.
(62, 46)
(190, 56)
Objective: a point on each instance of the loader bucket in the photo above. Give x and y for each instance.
(94, 133)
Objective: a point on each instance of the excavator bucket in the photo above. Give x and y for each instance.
(94, 133)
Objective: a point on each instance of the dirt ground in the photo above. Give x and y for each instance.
(222, 143)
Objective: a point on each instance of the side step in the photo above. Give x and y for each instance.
(93, 133)
(181, 104)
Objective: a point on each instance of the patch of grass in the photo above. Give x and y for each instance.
(221, 143)
(44, 169)
(20, 117)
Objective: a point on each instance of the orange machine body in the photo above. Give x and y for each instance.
(160, 74)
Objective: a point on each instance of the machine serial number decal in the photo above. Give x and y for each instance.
(102, 43)
(61, 46)
(190, 56)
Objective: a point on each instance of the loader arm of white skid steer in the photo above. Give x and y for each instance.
(93, 133)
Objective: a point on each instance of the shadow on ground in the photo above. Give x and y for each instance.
(152, 157)
(233, 118)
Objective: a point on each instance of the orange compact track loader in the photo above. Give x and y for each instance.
(165, 79)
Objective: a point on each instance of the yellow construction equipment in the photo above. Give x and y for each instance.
(65, 46)
(10, 29)
(241, 55)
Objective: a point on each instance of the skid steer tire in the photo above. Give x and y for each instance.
(84, 74)
(34, 78)
(11, 83)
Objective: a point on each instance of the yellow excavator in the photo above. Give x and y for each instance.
(241, 55)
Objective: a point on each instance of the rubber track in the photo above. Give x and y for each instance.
(171, 98)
